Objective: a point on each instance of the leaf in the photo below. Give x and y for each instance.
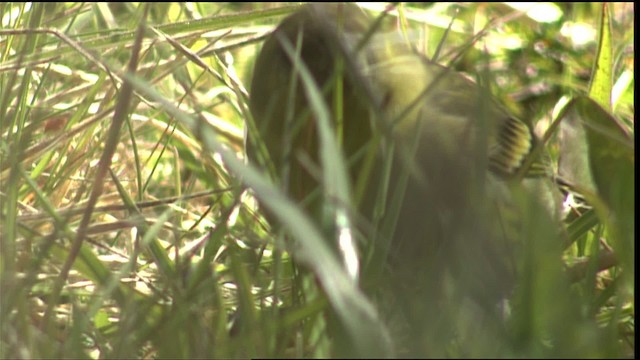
(598, 154)
(600, 89)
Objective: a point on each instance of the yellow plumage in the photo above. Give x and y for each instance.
(453, 150)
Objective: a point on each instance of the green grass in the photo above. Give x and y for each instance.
(128, 228)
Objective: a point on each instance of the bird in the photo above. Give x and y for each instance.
(436, 163)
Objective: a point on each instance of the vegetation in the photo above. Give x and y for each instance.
(129, 226)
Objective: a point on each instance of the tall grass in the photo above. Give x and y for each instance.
(129, 226)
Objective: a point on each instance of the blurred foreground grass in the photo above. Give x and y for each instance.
(175, 259)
